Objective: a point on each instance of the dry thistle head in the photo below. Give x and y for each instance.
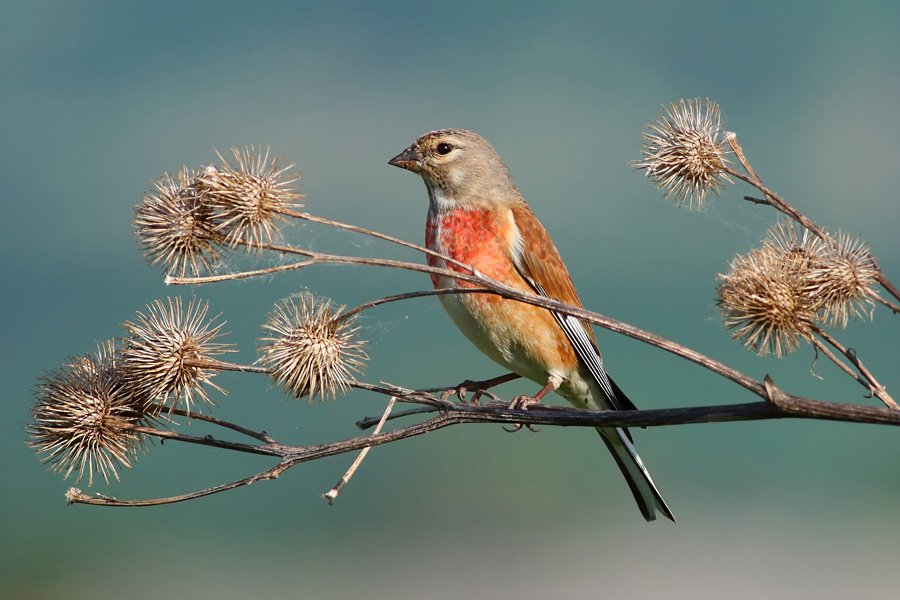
(764, 299)
(249, 196)
(685, 152)
(841, 278)
(175, 226)
(837, 274)
(166, 358)
(799, 250)
(83, 417)
(314, 350)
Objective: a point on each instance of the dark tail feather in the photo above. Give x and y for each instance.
(645, 493)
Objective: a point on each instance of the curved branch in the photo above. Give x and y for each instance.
(475, 277)
(778, 405)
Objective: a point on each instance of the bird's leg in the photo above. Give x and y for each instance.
(479, 387)
(523, 402)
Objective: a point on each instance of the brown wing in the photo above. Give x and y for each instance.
(540, 264)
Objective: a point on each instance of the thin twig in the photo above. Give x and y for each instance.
(259, 435)
(178, 280)
(817, 343)
(894, 307)
(782, 205)
(410, 295)
(218, 365)
(76, 496)
(269, 449)
(333, 493)
(882, 279)
(375, 234)
(870, 382)
(368, 422)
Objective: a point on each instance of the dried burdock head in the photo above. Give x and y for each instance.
(249, 195)
(685, 152)
(167, 357)
(84, 415)
(314, 349)
(837, 275)
(841, 278)
(763, 297)
(175, 226)
(799, 250)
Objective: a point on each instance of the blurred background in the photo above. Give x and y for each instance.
(100, 98)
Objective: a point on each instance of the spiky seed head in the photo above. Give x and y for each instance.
(838, 274)
(685, 152)
(842, 278)
(166, 356)
(800, 250)
(763, 298)
(84, 414)
(175, 226)
(314, 350)
(249, 196)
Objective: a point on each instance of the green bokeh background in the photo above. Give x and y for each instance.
(100, 98)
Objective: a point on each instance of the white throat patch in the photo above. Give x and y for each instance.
(439, 202)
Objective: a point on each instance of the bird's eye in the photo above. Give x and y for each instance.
(444, 148)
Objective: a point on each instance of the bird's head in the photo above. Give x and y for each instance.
(459, 168)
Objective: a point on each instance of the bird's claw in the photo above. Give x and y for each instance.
(517, 426)
(463, 388)
(522, 403)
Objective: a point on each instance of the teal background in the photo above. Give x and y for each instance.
(99, 98)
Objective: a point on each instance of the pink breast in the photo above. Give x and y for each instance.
(473, 237)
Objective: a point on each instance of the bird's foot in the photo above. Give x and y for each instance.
(464, 388)
(522, 403)
(479, 387)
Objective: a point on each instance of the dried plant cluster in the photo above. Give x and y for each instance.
(774, 296)
(87, 414)
(685, 152)
(93, 413)
(190, 221)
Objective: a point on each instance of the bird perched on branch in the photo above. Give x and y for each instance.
(478, 217)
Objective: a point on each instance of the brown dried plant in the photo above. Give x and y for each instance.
(314, 349)
(167, 354)
(772, 296)
(84, 414)
(249, 196)
(764, 299)
(176, 227)
(685, 152)
(843, 278)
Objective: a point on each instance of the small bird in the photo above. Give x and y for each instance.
(477, 216)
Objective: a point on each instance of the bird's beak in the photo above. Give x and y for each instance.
(409, 159)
